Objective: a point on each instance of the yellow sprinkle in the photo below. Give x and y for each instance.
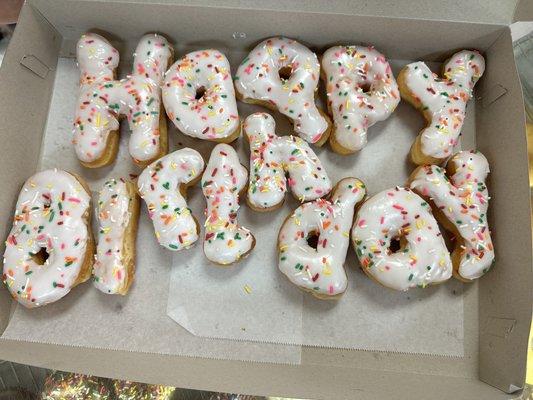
(144, 143)
(247, 289)
(297, 221)
(32, 184)
(347, 106)
(442, 262)
(231, 243)
(269, 50)
(264, 189)
(283, 247)
(290, 101)
(345, 234)
(106, 230)
(173, 165)
(326, 271)
(420, 223)
(157, 235)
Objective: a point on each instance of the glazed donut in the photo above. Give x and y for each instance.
(162, 185)
(50, 247)
(320, 270)
(361, 91)
(442, 101)
(199, 97)
(271, 157)
(461, 200)
(224, 178)
(102, 100)
(282, 74)
(400, 214)
(117, 213)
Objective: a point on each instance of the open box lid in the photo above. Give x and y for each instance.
(479, 11)
(39, 40)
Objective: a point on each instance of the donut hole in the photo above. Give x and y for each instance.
(312, 239)
(285, 73)
(41, 256)
(365, 87)
(200, 92)
(397, 244)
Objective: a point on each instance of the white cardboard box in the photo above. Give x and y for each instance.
(495, 344)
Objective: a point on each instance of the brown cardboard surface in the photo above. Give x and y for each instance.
(323, 373)
(485, 11)
(431, 40)
(22, 128)
(506, 294)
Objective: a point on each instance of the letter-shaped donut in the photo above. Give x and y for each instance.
(283, 75)
(442, 101)
(400, 215)
(117, 213)
(271, 157)
(102, 99)
(320, 270)
(224, 178)
(199, 97)
(162, 185)
(461, 201)
(50, 247)
(361, 91)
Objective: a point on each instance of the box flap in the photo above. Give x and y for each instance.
(481, 11)
(524, 11)
(505, 295)
(32, 52)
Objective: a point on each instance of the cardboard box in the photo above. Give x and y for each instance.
(495, 345)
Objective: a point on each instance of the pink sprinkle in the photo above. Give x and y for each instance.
(330, 289)
(362, 223)
(397, 206)
(74, 200)
(316, 138)
(381, 220)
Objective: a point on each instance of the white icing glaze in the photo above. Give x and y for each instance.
(160, 186)
(444, 100)
(258, 79)
(361, 91)
(320, 270)
(272, 156)
(394, 213)
(464, 200)
(113, 215)
(224, 178)
(212, 117)
(49, 215)
(102, 98)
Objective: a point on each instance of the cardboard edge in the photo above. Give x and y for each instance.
(36, 39)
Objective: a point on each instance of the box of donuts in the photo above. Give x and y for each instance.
(266, 197)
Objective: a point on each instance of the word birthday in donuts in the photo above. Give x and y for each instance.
(395, 234)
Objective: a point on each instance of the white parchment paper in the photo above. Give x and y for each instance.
(252, 300)
(248, 309)
(138, 321)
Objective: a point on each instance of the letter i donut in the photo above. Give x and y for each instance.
(224, 179)
(117, 212)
